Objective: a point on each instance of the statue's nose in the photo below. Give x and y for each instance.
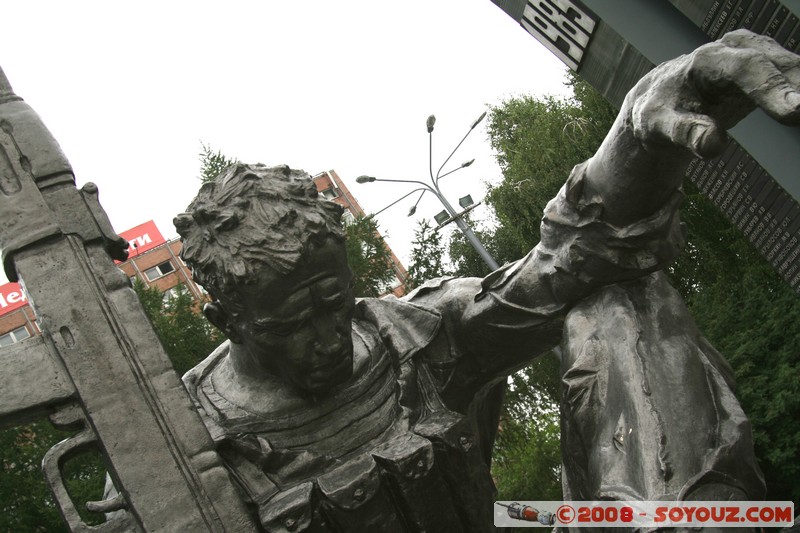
(328, 340)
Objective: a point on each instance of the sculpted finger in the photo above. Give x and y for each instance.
(786, 61)
(699, 133)
(769, 88)
(720, 72)
(656, 125)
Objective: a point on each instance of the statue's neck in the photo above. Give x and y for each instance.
(252, 388)
(245, 366)
(244, 382)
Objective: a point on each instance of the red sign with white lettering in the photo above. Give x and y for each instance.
(142, 238)
(11, 298)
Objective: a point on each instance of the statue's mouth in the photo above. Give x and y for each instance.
(331, 366)
(331, 371)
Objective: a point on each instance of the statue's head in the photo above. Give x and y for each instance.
(271, 254)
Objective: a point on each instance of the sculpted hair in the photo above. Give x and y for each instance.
(253, 216)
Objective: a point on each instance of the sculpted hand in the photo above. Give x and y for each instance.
(691, 101)
(681, 109)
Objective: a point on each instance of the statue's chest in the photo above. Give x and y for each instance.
(422, 469)
(429, 476)
(368, 409)
(383, 453)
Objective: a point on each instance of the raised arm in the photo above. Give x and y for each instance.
(615, 219)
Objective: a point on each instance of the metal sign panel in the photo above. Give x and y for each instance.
(12, 297)
(563, 26)
(142, 238)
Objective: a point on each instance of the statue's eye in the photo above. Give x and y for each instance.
(284, 330)
(334, 302)
(281, 329)
(337, 303)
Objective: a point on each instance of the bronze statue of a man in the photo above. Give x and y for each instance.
(337, 414)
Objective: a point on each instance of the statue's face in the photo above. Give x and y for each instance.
(298, 326)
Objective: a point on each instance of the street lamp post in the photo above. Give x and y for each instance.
(434, 189)
(410, 212)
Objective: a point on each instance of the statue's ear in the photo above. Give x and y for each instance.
(217, 315)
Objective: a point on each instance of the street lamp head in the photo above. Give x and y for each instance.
(478, 120)
(441, 217)
(467, 163)
(365, 179)
(430, 122)
(412, 210)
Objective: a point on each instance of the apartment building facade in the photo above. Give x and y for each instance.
(331, 187)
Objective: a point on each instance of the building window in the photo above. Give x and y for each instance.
(170, 294)
(14, 336)
(159, 270)
(348, 218)
(329, 194)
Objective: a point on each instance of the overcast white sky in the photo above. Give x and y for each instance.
(131, 89)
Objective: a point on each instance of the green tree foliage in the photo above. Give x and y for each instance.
(212, 163)
(526, 464)
(537, 142)
(467, 262)
(368, 257)
(184, 332)
(26, 504)
(427, 256)
(753, 317)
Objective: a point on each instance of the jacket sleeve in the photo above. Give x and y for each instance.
(493, 326)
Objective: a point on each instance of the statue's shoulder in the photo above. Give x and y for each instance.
(404, 326)
(193, 378)
(449, 296)
(432, 285)
(197, 384)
